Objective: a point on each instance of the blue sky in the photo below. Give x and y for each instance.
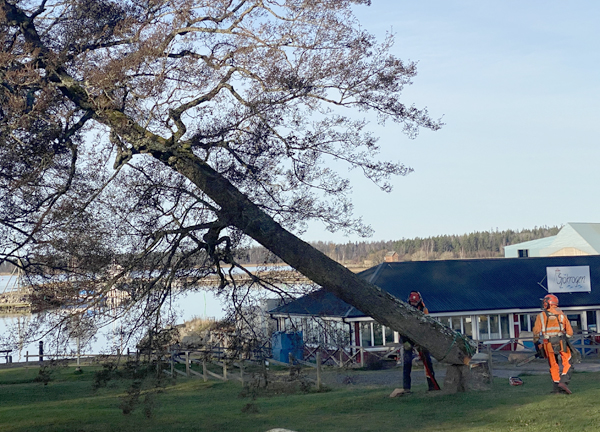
(518, 86)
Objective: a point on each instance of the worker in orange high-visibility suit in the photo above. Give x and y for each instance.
(550, 333)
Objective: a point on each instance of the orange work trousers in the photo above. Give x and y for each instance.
(565, 357)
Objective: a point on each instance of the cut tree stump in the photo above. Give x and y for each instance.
(477, 375)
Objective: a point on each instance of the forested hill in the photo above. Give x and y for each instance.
(487, 244)
(365, 254)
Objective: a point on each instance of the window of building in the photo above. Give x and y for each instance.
(527, 321)
(336, 333)
(456, 324)
(389, 336)
(377, 334)
(484, 329)
(524, 322)
(461, 324)
(504, 327)
(493, 327)
(575, 321)
(523, 253)
(374, 334)
(312, 332)
(365, 334)
(592, 323)
(468, 326)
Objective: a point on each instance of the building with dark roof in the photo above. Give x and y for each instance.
(485, 299)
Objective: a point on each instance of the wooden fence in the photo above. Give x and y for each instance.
(205, 360)
(78, 358)
(587, 343)
(217, 362)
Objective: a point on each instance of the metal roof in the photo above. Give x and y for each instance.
(461, 286)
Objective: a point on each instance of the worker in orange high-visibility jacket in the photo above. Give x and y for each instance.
(550, 335)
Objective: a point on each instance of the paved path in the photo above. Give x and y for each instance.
(392, 376)
(539, 366)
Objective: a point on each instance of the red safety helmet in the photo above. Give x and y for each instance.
(549, 299)
(414, 297)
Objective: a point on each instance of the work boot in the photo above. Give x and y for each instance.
(563, 387)
(400, 392)
(555, 389)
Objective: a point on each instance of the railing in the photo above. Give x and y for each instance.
(78, 357)
(228, 369)
(586, 342)
(351, 355)
(188, 360)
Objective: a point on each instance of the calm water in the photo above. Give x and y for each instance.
(203, 304)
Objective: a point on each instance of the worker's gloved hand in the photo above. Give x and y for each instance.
(539, 350)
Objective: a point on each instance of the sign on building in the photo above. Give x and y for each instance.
(568, 279)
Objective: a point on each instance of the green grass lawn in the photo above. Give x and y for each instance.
(69, 403)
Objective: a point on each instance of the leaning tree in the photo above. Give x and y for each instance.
(163, 135)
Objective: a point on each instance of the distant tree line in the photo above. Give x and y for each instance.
(486, 244)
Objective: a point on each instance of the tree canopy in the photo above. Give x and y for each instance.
(156, 137)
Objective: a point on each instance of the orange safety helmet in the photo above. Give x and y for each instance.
(549, 299)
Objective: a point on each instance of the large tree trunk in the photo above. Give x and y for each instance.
(443, 343)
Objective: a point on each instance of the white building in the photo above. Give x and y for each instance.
(573, 239)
